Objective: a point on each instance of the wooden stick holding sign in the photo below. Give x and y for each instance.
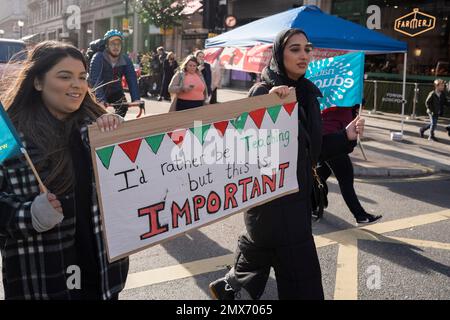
(359, 139)
(162, 176)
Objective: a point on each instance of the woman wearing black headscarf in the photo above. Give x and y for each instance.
(279, 233)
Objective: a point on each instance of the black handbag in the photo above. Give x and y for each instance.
(319, 196)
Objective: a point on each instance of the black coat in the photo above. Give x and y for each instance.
(435, 104)
(206, 72)
(263, 224)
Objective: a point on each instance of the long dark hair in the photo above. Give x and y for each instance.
(40, 128)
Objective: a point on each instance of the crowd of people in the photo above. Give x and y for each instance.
(51, 103)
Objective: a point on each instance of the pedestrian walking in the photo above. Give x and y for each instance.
(334, 120)
(188, 88)
(205, 69)
(170, 66)
(216, 79)
(278, 233)
(435, 102)
(45, 237)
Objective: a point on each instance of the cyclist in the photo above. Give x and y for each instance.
(106, 71)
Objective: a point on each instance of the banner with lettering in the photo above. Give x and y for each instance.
(161, 176)
(340, 79)
(254, 59)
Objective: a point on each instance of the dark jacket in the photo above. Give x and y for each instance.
(435, 104)
(169, 71)
(262, 223)
(35, 265)
(206, 72)
(101, 71)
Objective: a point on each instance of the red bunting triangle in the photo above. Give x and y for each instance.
(131, 149)
(289, 107)
(221, 127)
(258, 116)
(177, 136)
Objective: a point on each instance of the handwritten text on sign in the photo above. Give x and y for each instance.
(155, 187)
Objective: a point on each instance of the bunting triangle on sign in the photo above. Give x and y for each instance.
(155, 142)
(200, 132)
(274, 112)
(289, 107)
(177, 136)
(105, 155)
(221, 126)
(239, 122)
(131, 148)
(258, 116)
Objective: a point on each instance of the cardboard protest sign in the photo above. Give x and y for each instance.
(161, 176)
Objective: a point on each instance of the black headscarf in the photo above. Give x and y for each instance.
(275, 73)
(307, 93)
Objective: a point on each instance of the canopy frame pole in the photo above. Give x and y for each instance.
(405, 60)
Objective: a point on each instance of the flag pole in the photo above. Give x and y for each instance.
(359, 139)
(41, 184)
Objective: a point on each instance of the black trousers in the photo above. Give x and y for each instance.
(188, 104)
(213, 96)
(279, 236)
(342, 168)
(432, 125)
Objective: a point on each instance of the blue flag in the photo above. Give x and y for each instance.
(340, 79)
(9, 139)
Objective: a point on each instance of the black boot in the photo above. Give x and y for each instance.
(421, 133)
(221, 290)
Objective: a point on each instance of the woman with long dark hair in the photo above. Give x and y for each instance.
(279, 233)
(51, 243)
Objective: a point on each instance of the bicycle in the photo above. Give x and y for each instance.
(122, 107)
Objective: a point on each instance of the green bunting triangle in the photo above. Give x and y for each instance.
(105, 155)
(155, 142)
(239, 122)
(200, 132)
(274, 112)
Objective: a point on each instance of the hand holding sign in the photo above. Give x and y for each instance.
(281, 91)
(109, 122)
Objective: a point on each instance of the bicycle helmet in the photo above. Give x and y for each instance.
(113, 33)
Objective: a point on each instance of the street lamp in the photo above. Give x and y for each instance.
(20, 23)
(2, 32)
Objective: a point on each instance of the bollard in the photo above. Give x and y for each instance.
(416, 93)
(375, 87)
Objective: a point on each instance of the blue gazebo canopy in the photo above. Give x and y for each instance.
(324, 31)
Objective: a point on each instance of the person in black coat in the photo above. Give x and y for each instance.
(169, 67)
(279, 232)
(205, 69)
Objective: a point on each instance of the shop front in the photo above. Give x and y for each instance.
(424, 26)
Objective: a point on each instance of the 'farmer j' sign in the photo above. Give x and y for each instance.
(161, 176)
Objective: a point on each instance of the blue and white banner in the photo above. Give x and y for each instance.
(340, 79)
(9, 139)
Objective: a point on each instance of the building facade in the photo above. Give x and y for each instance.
(247, 11)
(424, 25)
(11, 16)
(53, 19)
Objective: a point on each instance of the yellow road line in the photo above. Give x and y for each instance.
(370, 232)
(419, 243)
(179, 271)
(344, 237)
(346, 287)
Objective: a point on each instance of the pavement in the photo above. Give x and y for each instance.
(412, 156)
